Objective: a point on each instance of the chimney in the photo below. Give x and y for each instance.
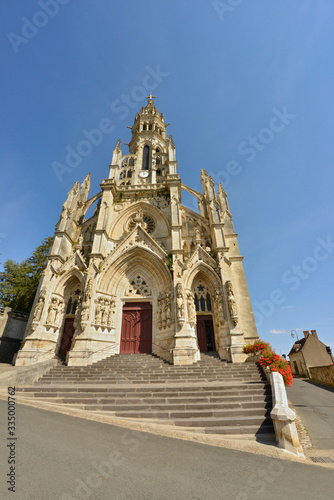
(306, 333)
(314, 334)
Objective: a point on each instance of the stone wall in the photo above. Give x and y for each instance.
(323, 374)
(12, 328)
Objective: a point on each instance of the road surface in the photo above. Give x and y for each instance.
(315, 405)
(60, 457)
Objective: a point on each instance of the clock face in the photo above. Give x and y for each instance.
(144, 174)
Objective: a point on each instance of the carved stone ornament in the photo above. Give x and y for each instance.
(105, 312)
(231, 303)
(55, 312)
(164, 310)
(179, 304)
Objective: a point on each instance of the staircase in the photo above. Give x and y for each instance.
(212, 396)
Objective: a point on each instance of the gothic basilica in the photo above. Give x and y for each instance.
(143, 273)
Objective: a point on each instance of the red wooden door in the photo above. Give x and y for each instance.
(205, 333)
(136, 334)
(66, 340)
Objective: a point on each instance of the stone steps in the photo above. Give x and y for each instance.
(212, 395)
(234, 422)
(176, 404)
(70, 398)
(208, 389)
(191, 409)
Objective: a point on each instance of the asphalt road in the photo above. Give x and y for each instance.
(65, 458)
(315, 405)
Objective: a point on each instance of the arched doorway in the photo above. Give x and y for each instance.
(72, 296)
(136, 333)
(203, 304)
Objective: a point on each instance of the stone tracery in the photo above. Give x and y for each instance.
(138, 287)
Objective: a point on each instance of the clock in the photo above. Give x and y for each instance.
(144, 174)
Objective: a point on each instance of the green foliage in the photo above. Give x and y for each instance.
(19, 281)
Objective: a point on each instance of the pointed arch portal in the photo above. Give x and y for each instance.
(202, 289)
(136, 333)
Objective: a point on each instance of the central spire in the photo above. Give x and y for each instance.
(150, 151)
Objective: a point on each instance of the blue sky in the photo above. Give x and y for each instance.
(248, 90)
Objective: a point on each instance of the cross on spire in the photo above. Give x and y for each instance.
(150, 97)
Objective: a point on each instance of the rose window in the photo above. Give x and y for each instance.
(144, 220)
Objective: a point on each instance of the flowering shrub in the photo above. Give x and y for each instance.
(271, 361)
(258, 346)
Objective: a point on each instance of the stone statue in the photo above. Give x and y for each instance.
(168, 307)
(59, 313)
(88, 292)
(104, 314)
(179, 304)
(98, 312)
(163, 312)
(111, 312)
(231, 303)
(39, 307)
(220, 306)
(159, 320)
(191, 309)
(52, 312)
(84, 313)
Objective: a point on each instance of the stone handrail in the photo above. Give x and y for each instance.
(161, 347)
(283, 417)
(104, 349)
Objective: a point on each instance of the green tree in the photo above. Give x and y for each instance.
(19, 281)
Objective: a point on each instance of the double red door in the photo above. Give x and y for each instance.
(136, 334)
(66, 340)
(205, 335)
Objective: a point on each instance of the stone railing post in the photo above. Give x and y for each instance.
(283, 417)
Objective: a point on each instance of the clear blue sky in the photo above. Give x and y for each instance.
(248, 91)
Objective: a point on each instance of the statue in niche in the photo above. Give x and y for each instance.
(111, 312)
(104, 314)
(179, 304)
(59, 314)
(168, 307)
(85, 304)
(191, 309)
(40, 306)
(98, 311)
(159, 321)
(55, 312)
(52, 312)
(231, 303)
(220, 306)
(163, 312)
(88, 292)
(84, 313)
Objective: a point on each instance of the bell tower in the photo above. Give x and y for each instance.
(149, 150)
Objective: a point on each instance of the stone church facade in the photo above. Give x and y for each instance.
(144, 273)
